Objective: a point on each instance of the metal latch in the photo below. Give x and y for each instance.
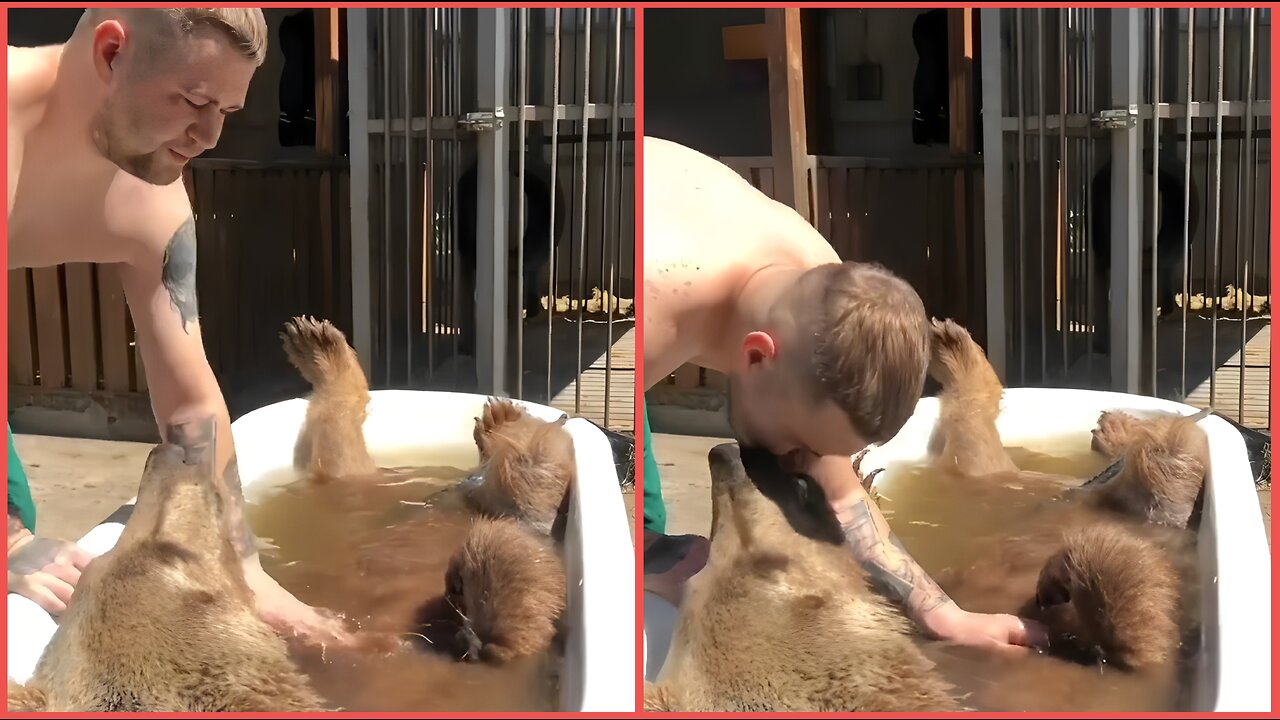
(483, 121)
(1118, 119)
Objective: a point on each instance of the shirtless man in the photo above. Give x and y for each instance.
(823, 358)
(100, 129)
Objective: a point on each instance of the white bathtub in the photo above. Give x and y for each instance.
(599, 668)
(1234, 670)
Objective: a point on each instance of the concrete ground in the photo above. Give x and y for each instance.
(686, 483)
(77, 483)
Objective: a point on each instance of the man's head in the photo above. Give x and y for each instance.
(168, 76)
(840, 363)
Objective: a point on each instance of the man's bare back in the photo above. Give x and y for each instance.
(706, 232)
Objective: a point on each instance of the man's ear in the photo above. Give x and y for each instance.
(757, 347)
(109, 39)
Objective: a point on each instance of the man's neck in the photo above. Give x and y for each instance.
(754, 307)
(70, 101)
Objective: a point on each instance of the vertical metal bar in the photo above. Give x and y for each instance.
(1247, 214)
(1217, 214)
(993, 190)
(582, 243)
(555, 156)
(1043, 221)
(1090, 98)
(1021, 235)
(429, 257)
(1125, 299)
(385, 59)
(1063, 237)
(613, 184)
(521, 220)
(454, 17)
(358, 101)
(409, 64)
(1154, 54)
(1186, 202)
(491, 224)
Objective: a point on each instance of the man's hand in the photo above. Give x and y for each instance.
(1001, 632)
(896, 575)
(669, 562)
(46, 570)
(290, 616)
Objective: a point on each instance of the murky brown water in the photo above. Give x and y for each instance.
(376, 551)
(943, 523)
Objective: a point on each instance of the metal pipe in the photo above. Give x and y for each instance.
(1091, 323)
(1155, 190)
(994, 231)
(1040, 192)
(358, 72)
(455, 163)
(1021, 240)
(1217, 217)
(385, 59)
(430, 259)
(607, 196)
(1063, 237)
(1245, 191)
(582, 243)
(619, 197)
(555, 156)
(521, 220)
(408, 204)
(1186, 201)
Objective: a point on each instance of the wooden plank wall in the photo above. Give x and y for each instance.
(277, 245)
(900, 215)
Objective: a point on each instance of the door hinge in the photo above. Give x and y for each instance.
(482, 121)
(1117, 119)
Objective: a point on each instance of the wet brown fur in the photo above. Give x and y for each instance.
(782, 618)
(164, 621)
(331, 443)
(1108, 570)
(528, 465)
(508, 585)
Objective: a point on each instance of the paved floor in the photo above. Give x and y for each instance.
(77, 483)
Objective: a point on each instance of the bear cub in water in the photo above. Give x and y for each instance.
(506, 582)
(164, 621)
(1114, 564)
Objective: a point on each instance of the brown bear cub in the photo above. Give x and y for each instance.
(164, 621)
(1107, 572)
(331, 444)
(507, 582)
(507, 585)
(527, 465)
(782, 617)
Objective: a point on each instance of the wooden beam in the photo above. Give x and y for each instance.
(328, 119)
(786, 109)
(960, 73)
(960, 79)
(745, 42)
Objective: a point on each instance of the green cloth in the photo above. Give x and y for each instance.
(655, 510)
(19, 489)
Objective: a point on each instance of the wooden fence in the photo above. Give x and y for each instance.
(921, 220)
(273, 242)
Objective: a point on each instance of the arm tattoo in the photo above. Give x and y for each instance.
(889, 566)
(179, 272)
(196, 438)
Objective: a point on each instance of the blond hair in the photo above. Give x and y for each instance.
(244, 28)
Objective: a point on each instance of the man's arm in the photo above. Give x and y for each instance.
(897, 575)
(160, 287)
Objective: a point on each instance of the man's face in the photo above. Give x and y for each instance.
(770, 410)
(162, 111)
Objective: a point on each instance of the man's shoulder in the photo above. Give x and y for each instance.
(150, 216)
